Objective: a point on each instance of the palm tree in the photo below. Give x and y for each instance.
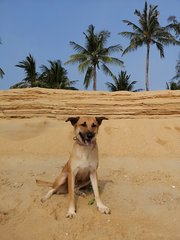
(177, 76)
(55, 76)
(148, 32)
(29, 66)
(175, 81)
(121, 83)
(94, 55)
(174, 25)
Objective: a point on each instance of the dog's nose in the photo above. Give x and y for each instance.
(90, 135)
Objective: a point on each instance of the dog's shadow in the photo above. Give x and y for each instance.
(102, 184)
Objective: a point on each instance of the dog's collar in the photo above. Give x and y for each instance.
(78, 141)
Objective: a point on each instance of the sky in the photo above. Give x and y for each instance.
(44, 29)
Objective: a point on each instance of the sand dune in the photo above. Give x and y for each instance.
(139, 173)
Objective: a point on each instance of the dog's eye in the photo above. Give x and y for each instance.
(84, 124)
(94, 125)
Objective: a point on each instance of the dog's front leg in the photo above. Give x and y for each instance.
(94, 181)
(71, 211)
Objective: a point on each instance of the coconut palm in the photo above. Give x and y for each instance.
(121, 82)
(175, 26)
(149, 32)
(29, 66)
(177, 76)
(55, 76)
(174, 84)
(95, 55)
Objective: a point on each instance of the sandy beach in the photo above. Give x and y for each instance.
(139, 169)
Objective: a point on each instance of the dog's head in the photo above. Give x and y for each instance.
(86, 128)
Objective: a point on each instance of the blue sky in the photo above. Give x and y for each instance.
(45, 27)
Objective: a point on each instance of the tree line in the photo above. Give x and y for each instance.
(96, 55)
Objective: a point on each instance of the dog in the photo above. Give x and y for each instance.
(81, 168)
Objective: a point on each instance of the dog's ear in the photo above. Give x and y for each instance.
(99, 120)
(73, 120)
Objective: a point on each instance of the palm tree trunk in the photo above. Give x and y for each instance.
(94, 78)
(147, 67)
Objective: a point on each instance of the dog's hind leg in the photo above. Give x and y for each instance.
(48, 195)
(59, 181)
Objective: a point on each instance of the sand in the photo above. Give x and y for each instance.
(139, 171)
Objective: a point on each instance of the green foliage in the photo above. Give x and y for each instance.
(149, 32)
(121, 82)
(174, 25)
(173, 85)
(91, 202)
(177, 76)
(94, 55)
(54, 76)
(29, 67)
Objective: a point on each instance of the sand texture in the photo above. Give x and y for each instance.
(139, 169)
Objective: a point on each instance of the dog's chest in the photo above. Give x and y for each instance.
(84, 168)
(85, 160)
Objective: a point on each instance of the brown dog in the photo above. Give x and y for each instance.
(81, 169)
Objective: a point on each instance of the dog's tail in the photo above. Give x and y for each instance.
(42, 182)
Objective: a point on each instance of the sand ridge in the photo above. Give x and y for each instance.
(36, 102)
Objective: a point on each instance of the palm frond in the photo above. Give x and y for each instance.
(78, 48)
(103, 37)
(1, 73)
(134, 26)
(114, 49)
(129, 35)
(134, 45)
(77, 58)
(165, 37)
(108, 72)
(111, 86)
(117, 61)
(84, 65)
(131, 85)
(160, 48)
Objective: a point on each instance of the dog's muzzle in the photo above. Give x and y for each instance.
(87, 137)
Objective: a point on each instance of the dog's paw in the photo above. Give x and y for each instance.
(43, 199)
(81, 194)
(104, 209)
(71, 214)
